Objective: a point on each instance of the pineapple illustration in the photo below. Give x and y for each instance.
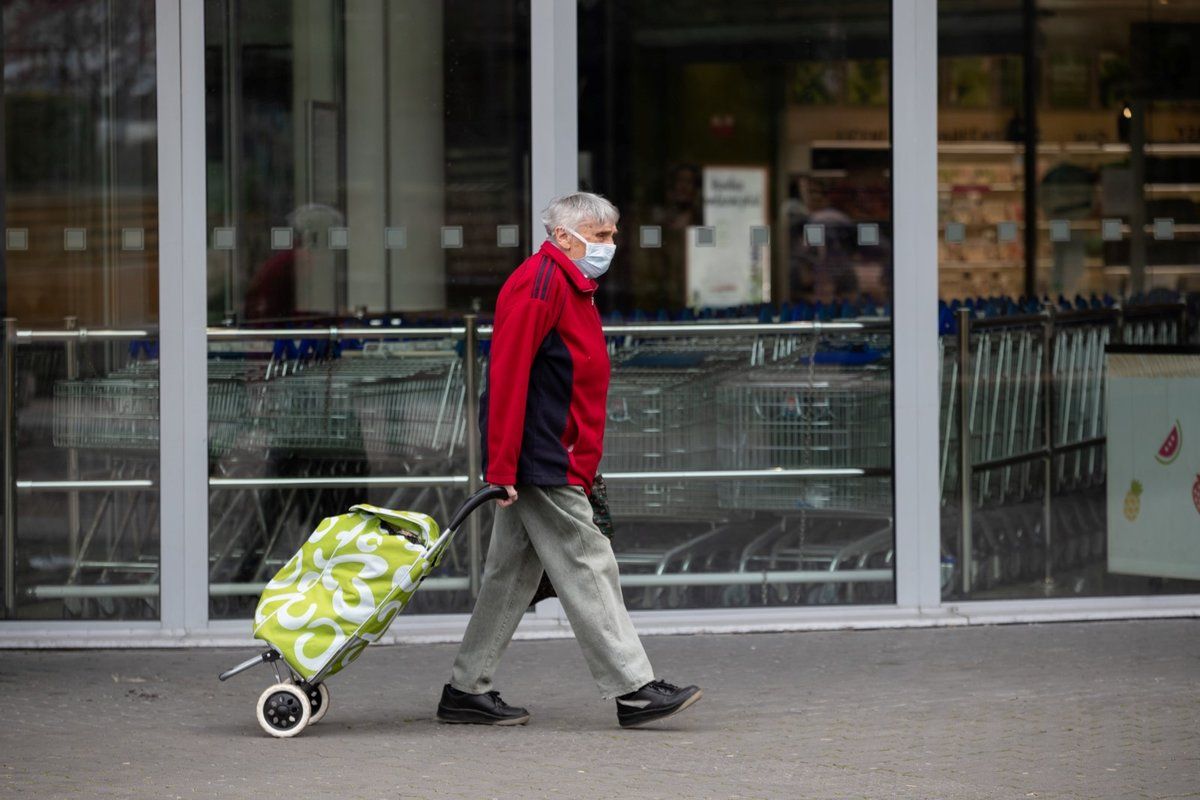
(1133, 501)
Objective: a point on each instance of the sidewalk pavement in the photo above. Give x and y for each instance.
(1070, 710)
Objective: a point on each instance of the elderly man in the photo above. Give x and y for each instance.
(542, 420)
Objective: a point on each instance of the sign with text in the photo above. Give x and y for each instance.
(728, 259)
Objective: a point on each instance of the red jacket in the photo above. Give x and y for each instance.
(542, 415)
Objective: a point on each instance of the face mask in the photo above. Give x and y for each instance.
(597, 258)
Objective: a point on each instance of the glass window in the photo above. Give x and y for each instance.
(367, 163)
(1069, 144)
(80, 211)
(748, 149)
(1105, 103)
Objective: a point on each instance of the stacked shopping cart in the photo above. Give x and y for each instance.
(815, 400)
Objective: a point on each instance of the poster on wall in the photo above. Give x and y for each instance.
(1153, 463)
(728, 259)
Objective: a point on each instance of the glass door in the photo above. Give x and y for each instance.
(80, 207)
(367, 169)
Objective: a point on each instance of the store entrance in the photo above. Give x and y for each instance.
(768, 125)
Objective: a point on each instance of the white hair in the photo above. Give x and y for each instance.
(578, 208)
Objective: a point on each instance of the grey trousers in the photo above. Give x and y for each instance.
(551, 527)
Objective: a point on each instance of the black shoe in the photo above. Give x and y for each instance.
(654, 701)
(480, 709)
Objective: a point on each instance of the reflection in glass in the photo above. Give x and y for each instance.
(367, 162)
(87, 412)
(751, 403)
(80, 213)
(326, 412)
(80, 162)
(739, 117)
(1024, 376)
(361, 156)
(1076, 210)
(748, 149)
(1115, 139)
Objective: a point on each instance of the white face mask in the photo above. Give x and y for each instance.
(596, 259)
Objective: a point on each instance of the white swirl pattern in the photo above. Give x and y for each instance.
(332, 598)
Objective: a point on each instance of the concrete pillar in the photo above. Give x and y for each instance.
(416, 153)
(366, 153)
(315, 80)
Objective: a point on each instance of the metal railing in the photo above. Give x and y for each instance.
(470, 334)
(1138, 323)
(1144, 323)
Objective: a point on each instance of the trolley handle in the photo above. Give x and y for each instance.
(265, 657)
(475, 501)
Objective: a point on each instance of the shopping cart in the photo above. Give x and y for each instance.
(413, 407)
(1010, 361)
(661, 418)
(336, 595)
(109, 425)
(660, 421)
(747, 403)
(791, 415)
(392, 406)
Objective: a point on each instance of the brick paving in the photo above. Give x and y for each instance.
(1051, 711)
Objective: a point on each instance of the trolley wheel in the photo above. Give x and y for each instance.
(283, 710)
(318, 700)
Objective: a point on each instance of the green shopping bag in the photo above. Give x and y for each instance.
(344, 587)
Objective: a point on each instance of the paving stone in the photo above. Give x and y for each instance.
(1054, 711)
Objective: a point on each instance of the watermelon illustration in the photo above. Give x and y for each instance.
(1171, 446)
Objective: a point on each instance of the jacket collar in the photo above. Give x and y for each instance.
(581, 282)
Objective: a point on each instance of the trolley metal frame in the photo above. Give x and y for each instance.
(1012, 425)
(1026, 391)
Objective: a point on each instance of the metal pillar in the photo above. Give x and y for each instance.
(965, 469)
(474, 455)
(1029, 91)
(72, 373)
(1048, 439)
(10, 467)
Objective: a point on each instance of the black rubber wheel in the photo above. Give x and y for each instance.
(318, 700)
(283, 710)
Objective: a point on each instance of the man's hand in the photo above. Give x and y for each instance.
(512, 497)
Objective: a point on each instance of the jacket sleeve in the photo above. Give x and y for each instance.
(525, 314)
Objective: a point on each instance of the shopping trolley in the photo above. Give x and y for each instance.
(338, 594)
(661, 418)
(783, 416)
(793, 414)
(335, 414)
(1016, 366)
(110, 423)
(414, 408)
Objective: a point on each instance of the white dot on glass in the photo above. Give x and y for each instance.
(281, 238)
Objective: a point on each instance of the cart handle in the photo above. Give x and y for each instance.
(475, 501)
(265, 657)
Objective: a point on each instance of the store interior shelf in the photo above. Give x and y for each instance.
(966, 266)
(1066, 148)
(980, 187)
(1016, 148)
(998, 188)
(1082, 225)
(1048, 263)
(1155, 269)
(1173, 188)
